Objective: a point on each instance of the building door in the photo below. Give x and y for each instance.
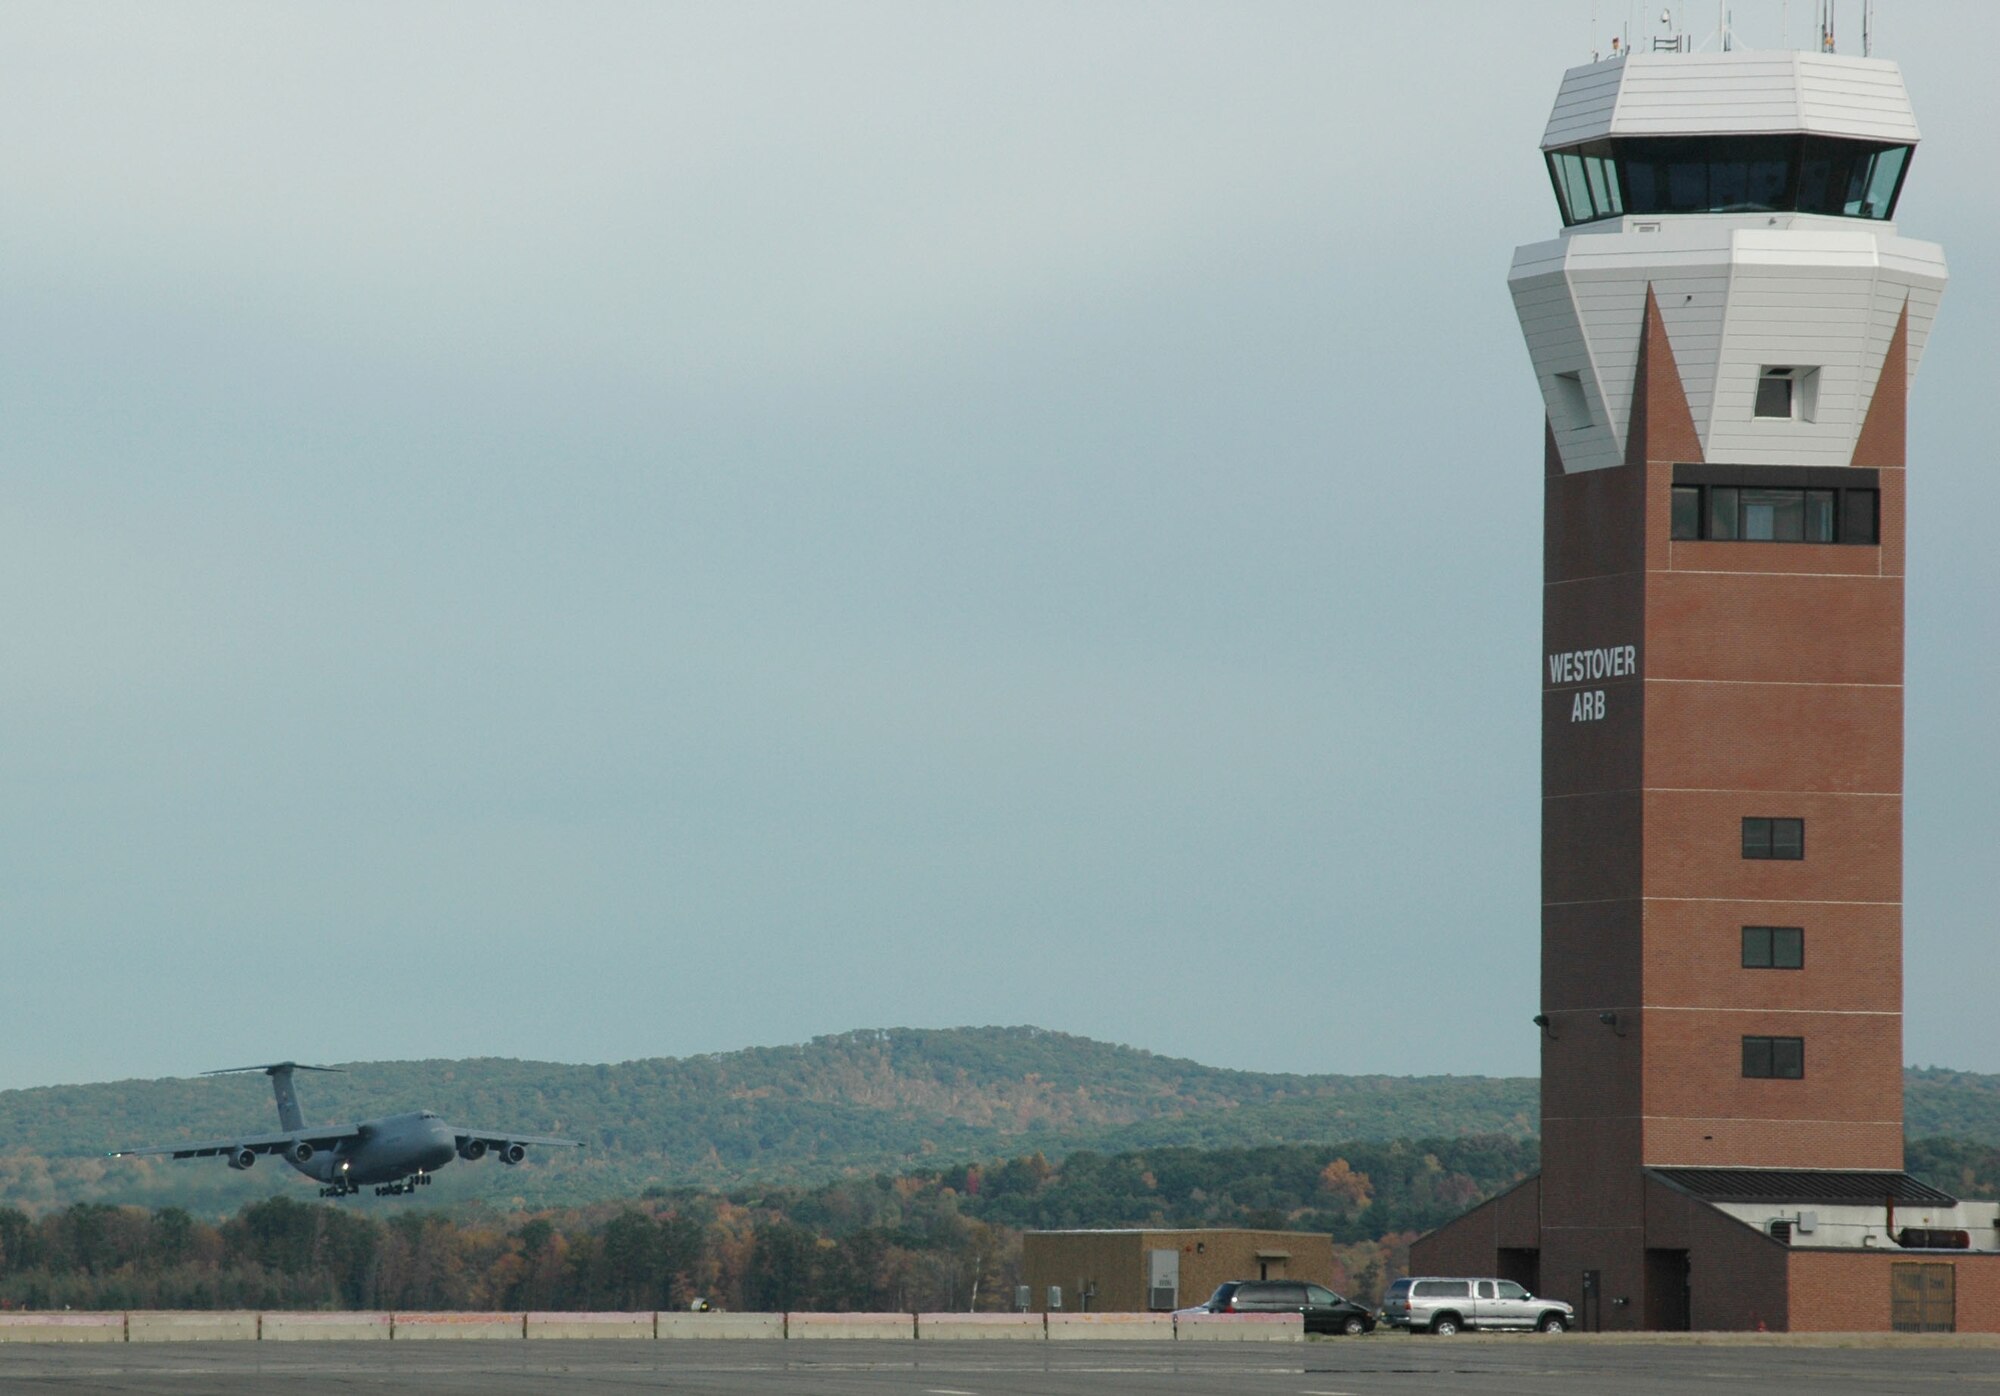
(1163, 1280)
(1669, 1306)
(1586, 1315)
(1923, 1298)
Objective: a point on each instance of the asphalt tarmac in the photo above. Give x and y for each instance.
(1390, 1364)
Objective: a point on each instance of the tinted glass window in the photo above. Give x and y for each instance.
(1484, 1289)
(1782, 1058)
(1857, 516)
(1400, 1289)
(1687, 511)
(1728, 174)
(1722, 513)
(1757, 1056)
(1773, 516)
(1774, 838)
(1316, 1295)
(1757, 947)
(1774, 395)
(1510, 1290)
(1788, 838)
(1819, 516)
(1444, 1289)
(1291, 1295)
(1788, 1057)
(1774, 947)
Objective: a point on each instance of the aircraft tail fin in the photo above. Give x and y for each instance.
(289, 1114)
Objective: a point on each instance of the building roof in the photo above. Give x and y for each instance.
(1787, 1186)
(1738, 93)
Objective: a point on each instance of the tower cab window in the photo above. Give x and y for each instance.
(1825, 175)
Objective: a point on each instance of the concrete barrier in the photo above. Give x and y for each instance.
(62, 1328)
(850, 1325)
(223, 1325)
(590, 1325)
(944, 1327)
(319, 1327)
(1240, 1328)
(681, 1324)
(1097, 1328)
(440, 1326)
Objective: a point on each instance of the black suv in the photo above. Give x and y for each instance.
(1324, 1311)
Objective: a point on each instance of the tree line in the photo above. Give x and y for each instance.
(941, 1239)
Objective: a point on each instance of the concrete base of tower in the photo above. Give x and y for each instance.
(1691, 1265)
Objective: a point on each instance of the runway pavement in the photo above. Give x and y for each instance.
(1382, 1365)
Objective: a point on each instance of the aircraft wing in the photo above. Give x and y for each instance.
(255, 1143)
(499, 1138)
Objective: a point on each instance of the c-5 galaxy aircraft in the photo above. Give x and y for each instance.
(398, 1153)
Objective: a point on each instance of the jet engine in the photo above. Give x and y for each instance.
(472, 1150)
(513, 1153)
(300, 1152)
(241, 1157)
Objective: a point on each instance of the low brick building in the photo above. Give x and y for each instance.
(1138, 1271)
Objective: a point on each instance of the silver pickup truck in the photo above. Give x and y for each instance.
(1424, 1304)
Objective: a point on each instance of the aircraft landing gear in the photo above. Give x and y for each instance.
(409, 1184)
(340, 1190)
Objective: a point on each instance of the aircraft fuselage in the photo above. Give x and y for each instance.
(389, 1150)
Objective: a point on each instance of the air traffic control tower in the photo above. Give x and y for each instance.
(1724, 335)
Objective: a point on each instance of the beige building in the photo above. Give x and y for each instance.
(1138, 1271)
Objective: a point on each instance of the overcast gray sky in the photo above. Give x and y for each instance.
(599, 531)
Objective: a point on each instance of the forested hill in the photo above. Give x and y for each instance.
(854, 1104)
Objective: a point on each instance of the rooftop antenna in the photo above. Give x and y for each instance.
(1826, 24)
(1867, 23)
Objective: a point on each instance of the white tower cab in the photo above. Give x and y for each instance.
(1724, 335)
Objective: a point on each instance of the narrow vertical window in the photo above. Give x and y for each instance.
(1687, 512)
(1757, 1057)
(1858, 514)
(1788, 947)
(1722, 513)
